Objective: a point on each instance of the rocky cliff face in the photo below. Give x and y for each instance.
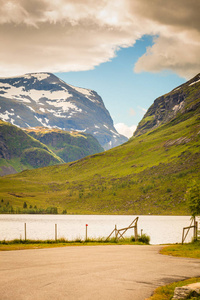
(42, 99)
(182, 99)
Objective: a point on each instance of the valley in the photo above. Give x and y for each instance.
(149, 174)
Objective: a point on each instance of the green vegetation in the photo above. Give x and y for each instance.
(166, 292)
(19, 244)
(193, 198)
(69, 146)
(185, 250)
(6, 208)
(147, 175)
(143, 239)
(19, 151)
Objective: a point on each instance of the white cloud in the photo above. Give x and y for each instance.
(125, 130)
(75, 35)
(142, 110)
(171, 53)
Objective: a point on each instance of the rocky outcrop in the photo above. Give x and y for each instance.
(187, 291)
(185, 98)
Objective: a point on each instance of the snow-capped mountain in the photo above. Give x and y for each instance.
(42, 99)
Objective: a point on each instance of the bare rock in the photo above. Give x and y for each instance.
(181, 293)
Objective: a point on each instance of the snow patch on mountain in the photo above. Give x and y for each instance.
(42, 99)
(30, 108)
(6, 115)
(66, 106)
(86, 92)
(194, 82)
(45, 124)
(82, 90)
(20, 94)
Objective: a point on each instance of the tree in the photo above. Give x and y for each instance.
(25, 205)
(193, 198)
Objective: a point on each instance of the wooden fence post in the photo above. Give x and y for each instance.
(136, 232)
(116, 232)
(25, 231)
(86, 226)
(196, 229)
(55, 232)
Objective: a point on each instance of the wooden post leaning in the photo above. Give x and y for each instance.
(118, 233)
(188, 229)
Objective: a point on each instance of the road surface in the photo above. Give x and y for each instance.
(113, 272)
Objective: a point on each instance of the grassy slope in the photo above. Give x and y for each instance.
(22, 151)
(148, 174)
(69, 146)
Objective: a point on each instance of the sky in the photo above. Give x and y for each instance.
(129, 51)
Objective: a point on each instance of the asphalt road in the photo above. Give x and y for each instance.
(90, 273)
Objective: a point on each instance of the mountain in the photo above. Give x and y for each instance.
(42, 99)
(147, 175)
(19, 151)
(69, 146)
(183, 99)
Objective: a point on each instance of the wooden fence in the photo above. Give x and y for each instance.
(120, 232)
(194, 225)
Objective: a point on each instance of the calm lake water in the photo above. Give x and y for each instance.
(161, 229)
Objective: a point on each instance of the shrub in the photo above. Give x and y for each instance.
(143, 239)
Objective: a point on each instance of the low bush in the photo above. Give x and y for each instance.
(143, 239)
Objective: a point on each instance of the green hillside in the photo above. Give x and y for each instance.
(69, 146)
(147, 175)
(19, 151)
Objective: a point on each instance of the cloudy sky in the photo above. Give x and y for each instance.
(129, 51)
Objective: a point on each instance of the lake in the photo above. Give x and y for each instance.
(161, 229)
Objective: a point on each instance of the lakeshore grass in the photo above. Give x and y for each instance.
(19, 244)
(186, 250)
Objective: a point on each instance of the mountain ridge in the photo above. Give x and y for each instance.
(42, 99)
(149, 174)
(165, 108)
(69, 146)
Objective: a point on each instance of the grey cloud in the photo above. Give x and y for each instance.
(73, 35)
(181, 13)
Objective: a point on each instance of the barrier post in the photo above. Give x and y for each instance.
(86, 226)
(55, 232)
(25, 231)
